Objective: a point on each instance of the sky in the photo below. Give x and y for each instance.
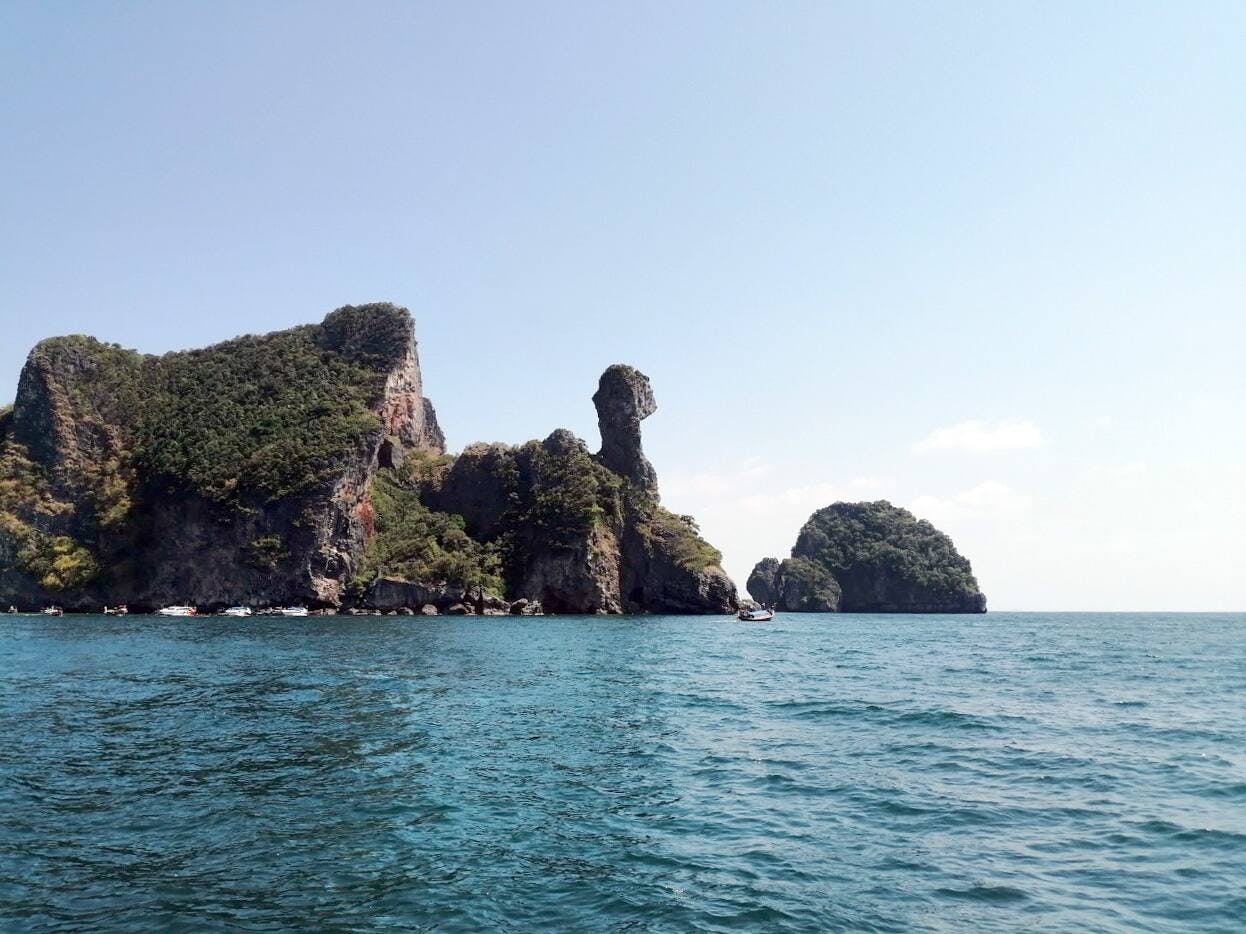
(986, 261)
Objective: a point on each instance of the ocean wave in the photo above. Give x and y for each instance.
(663, 776)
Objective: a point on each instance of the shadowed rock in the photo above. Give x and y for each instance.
(585, 534)
(623, 399)
(796, 585)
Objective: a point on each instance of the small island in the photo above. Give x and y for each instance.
(868, 558)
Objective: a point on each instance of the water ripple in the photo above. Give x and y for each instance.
(665, 774)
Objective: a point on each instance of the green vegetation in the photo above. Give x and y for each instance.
(679, 534)
(24, 488)
(109, 482)
(266, 552)
(373, 336)
(552, 496)
(255, 418)
(885, 556)
(57, 562)
(415, 543)
(427, 470)
(271, 416)
(568, 492)
(806, 586)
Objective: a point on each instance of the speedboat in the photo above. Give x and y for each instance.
(238, 611)
(53, 611)
(294, 611)
(758, 614)
(177, 611)
(120, 610)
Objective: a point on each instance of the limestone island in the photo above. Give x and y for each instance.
(306, 467)
(868, 558)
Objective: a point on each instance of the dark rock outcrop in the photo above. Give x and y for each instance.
(583, 534)
(869, 558)
(389, 593)
(478, 486)
(763, 583)
(797, 585)
(624, 398)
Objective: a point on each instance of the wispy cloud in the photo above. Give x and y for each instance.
(989, 499)
(809, 497)
(752, 509)
(709, 485)
(980, 437)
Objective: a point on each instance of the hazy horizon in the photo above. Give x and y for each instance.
(983, 262)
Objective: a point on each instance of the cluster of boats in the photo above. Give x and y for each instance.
(123, 610)
(756, 614)
(239, 611)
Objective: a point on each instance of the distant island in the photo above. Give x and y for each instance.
(307, 467)
(868, 558)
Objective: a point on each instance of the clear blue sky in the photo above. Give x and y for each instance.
(985, 260)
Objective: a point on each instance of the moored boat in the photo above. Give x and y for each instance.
(293, 611)
(177, 611)
(757, 614)
(237, 611)
(53, 611)
(119, 610)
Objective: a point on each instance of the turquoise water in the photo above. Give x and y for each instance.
(885, 773)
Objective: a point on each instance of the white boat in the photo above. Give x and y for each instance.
(177, 611)
(53, 611)
(294, 611)
(758, 614)
(238, 611)
(119, 610)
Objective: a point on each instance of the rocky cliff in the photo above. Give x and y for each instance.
(306, 466)
(578, 532)
(236, 473)
(623, 399)
(868, 558)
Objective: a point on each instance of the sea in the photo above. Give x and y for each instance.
(1011, 771)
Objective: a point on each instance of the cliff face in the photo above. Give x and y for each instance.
(306, 466)
(869, 558)
(797, 585)
(584, 533)
(236, 473)
(623, 399)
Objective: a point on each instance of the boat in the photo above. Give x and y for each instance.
(119, 610)
(237, 611)
(757, 614)
(293, 611)
(53, 611)
(177, 611)
(12, 610)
